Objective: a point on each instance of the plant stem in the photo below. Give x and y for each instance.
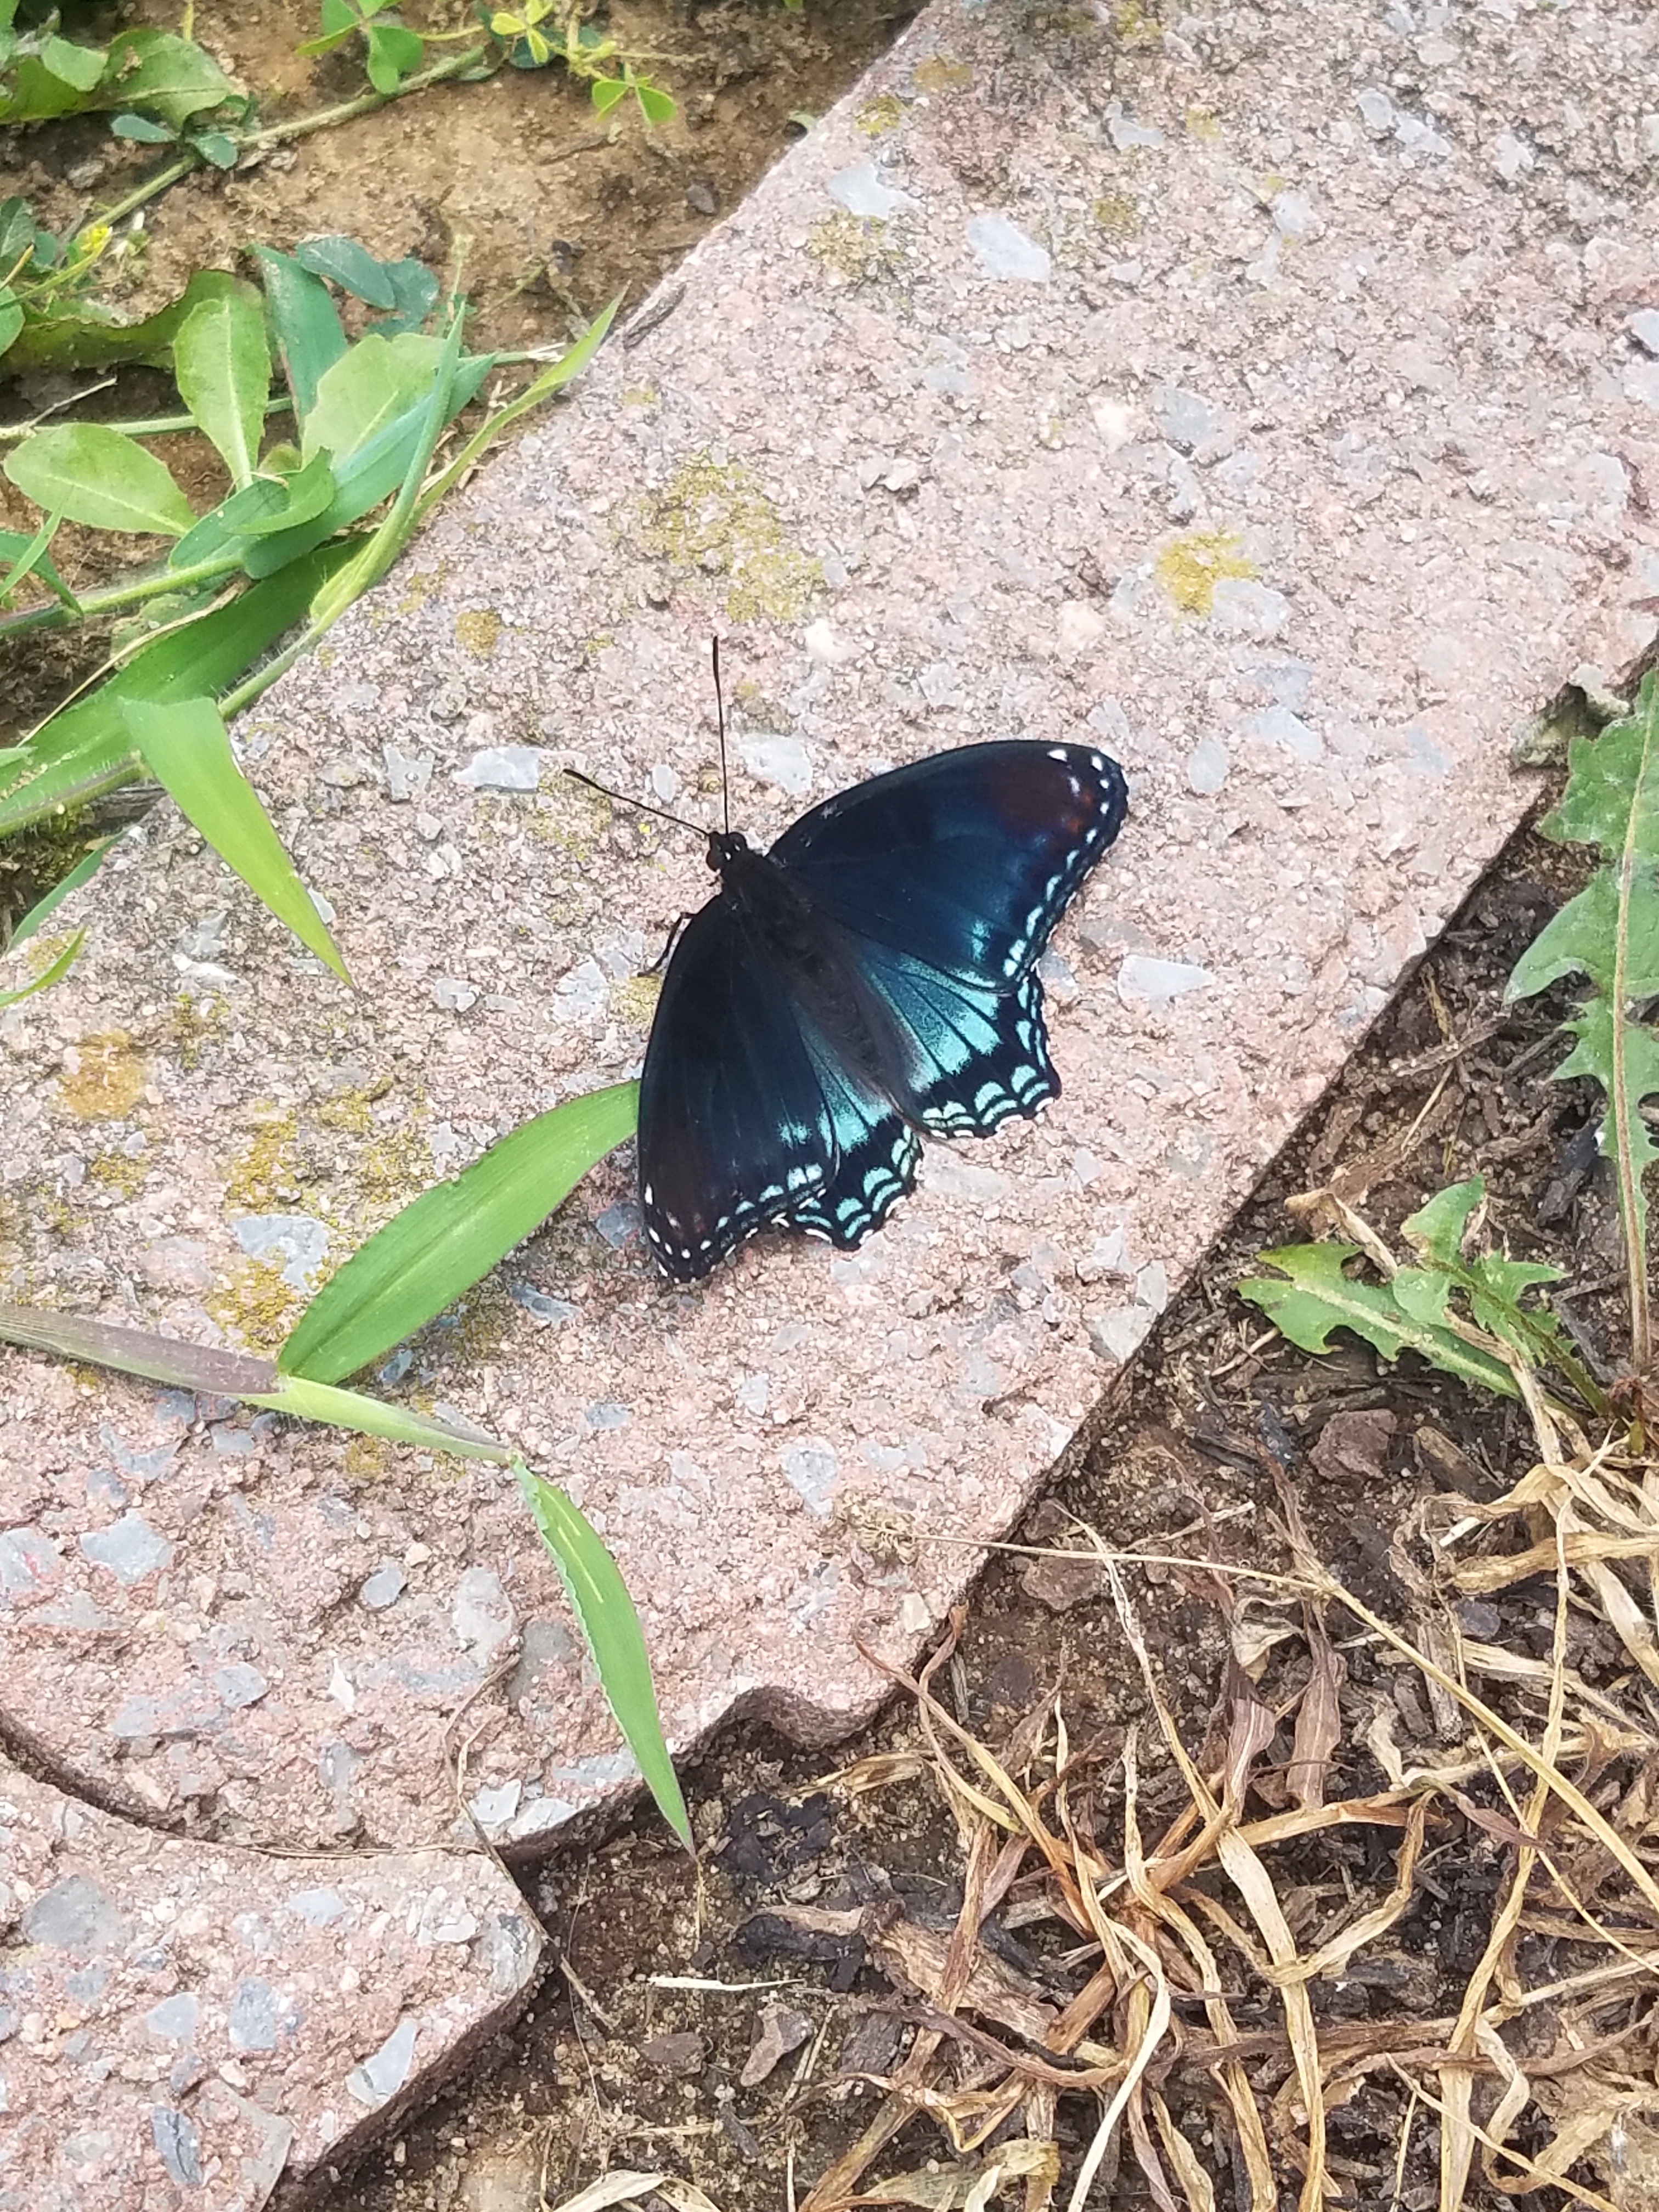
(283, 134)
(114, 597)
(152, 426)
(1630, 1192)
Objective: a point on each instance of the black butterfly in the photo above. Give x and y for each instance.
(872, 977)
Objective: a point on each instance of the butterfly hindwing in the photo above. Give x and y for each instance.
(965, 860)
(733, 1126)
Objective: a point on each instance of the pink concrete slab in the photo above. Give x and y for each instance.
(1269, 402)
(180, 2024)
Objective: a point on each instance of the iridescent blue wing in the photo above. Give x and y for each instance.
(745, 1118)
(966, 861)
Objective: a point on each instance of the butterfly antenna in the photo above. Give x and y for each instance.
(644, 806)
(720, 717)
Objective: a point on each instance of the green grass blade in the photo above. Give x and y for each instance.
(305, 1401)
(605, 1611)
(444, 1241)
(86, 748)
(83, 872)
(222, 365)
(185, 746)
(53, 973)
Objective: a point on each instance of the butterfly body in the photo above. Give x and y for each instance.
(871, 977)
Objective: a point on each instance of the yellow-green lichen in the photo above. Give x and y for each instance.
(855, 249)
(640, 395)
(878, 116)
(197, 1025)
(107, 1080)
(117, 1174)
(265, 1178)
(1117, 215)
(717, 519)
(1136, 24)
(635, 999)
(939, 73)
(369, 1459)
(1204, 124)
(479, 629)
(417, 590)
(474, 1329)
(1191, 566)
(256, 1308)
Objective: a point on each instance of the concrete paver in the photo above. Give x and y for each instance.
(1270, 401)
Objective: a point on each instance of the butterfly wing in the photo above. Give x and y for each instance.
(745, 1118)
(951, 875)
(966, 861)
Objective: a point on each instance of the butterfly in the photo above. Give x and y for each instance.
(871, 977)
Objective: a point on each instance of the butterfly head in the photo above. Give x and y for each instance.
(725, 847)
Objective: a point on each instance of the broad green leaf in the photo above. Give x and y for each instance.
(161, 74)
(83, 872)
(414, 292)
(33, 94)
(350, 265)
(607, 91)
(599, 1596)
(453, 1235)
(1312, 1295)
(303, 323)
(270, 503)
(99, 477)
(11, 316)
(86, 747)
(52, 973)
(393, 54)
(1422, 1293)
(1613, 784)
(213, 146)
(17, 231)
(86, 335)
(142, 130)
(655, 105)
(377, 408)
(184, 747)
(380, 383)
(222, 366)
(81, 66)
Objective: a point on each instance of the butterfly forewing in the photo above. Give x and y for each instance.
(965, 860)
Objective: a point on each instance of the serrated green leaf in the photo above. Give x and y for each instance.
(1593, 1055)
(453, 1235)
(186, 748)
(222, 366)
(96, 475)
(1422, 1293)
(1315, 1297)
(599, 1596)
(1612, 795)
(1437, 1230)
(1583, 938)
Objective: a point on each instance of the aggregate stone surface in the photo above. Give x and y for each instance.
(181, 2022)
(1275, 402)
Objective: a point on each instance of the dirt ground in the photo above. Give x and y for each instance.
(739, 2028)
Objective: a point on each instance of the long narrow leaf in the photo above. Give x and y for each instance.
(53, 973)
(445, 1240)
(599, 1598)
(83, 872)
(86, 748)
(185, 746)
(305, 324)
